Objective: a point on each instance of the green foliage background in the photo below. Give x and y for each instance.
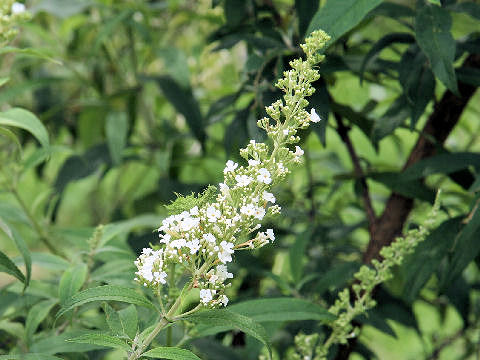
(142, 99)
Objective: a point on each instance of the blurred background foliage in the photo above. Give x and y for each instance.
(142, 99)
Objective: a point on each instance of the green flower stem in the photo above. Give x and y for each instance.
(166, 319)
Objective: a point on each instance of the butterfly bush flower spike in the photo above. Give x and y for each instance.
(201, 237)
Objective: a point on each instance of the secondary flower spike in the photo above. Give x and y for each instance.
(201, 238)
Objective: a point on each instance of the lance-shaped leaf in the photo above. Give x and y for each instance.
(172, 353)
(432, 30)
(15, 236)
(24, 119)
(231, 320)
(7, 266)
(338, 17)
(185, 103)
(101, 340)
(105, 293)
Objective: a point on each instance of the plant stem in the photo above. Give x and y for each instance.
(166, 319)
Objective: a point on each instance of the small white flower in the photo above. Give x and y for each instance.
(179, 243)
(164, 238)
(285, 132)
(189, 223)
(193, 245)
(223, 299)
(314, 116)
(267, 196)
(225, 255)
(271, 235)
(243, 180)
(253, 162)
(212, 214)
(298, 151)
(259, 213)
(194, 211)
(223, 188)
(209, 238)
(18, 8)
(206, 295)
(230, 166)
(264, 176)
(222, 273)
(248, 210)
(160, 277)
(213, 279)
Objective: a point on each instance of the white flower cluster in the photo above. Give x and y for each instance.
(203, 238)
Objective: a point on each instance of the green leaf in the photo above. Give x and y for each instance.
(392, 10)
(34, 356)
(49, 261)
(320, 100)
(281, 309)
(57, 343)
(78, 167)
(306, 9)
(387, 40)
(11, 135)
(417, 80)
(297, 254)
(232, 320)
(4, 80)
(71, 282)
(355, 117)
(468, 75)
(185, 103)
(219, 107)
(60, 8)
(122, 227)
(101, 340)
(173, 353)
(443, 163)
(13, 328)
(236, 134)
(36, 315)
(338, 17)
(466, 247)
(336, 277)
(432, 30)
(116, 129)
(7, 266)
(414, 189)
(14, 90)
(123, 322)
(25, 120)
(108, 27)
(14, 235)
(38, 53)
(176, 63)
(211, 349)
(235, 12)
(129, 320)
(418, 267)
(42, 154)
(113, 320)
(269, 311)
(468, 7)
(391, 119)
(104, 293)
